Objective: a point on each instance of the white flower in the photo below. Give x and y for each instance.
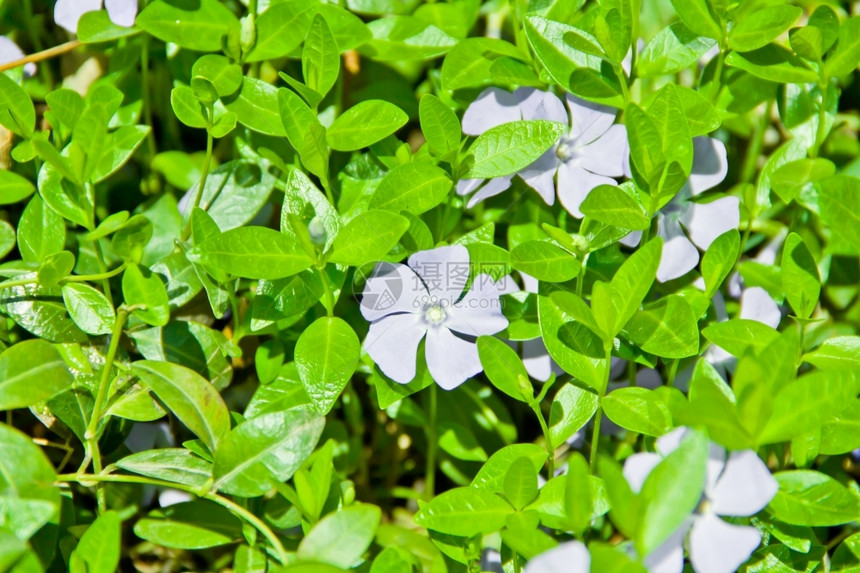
(704, 222)
(739, 486)
(569, 557)
(67, 13)
(406, 303)
(9, 52)
(591, 154)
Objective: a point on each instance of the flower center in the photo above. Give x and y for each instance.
(704, 506)
(435, 314)
(566, 149)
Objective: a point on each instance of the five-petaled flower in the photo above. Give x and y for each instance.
(704, 222)
(405, 303)
(591, 154)
(738, 486)
(67, 13)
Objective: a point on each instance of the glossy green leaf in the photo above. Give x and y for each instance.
(189, 525)
(252, 252)
(521, 483)
(639, 410)
(326, 356)
(194, 24)
(341, 538)
(31, 371)
(544, 261)
(800, 279)
(89, 308)
(439, 124)
(368, 237)
(143, 289)
(807, 497)
(509, 147)
(464, 511)
(364, 124)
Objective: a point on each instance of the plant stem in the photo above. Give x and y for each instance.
(329, 297)
(198, 195)
(231, 506)
(100, 256)
(41, 56)
(820, 133)
(598, 416)
(673, 370)
(92, 434)
(750, 164)
(550, 451)
(147, 101)
(432, 439)
(68, 279)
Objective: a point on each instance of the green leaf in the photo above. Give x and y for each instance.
(550, 41)
(439, 124)
(572, 408)
(468, 64)
(578, 501)
(673, 49)
(698, 18)
(14, 188)
(840, 209)
(464, 511)
(364, 124)
(7, 238)
(403, 38)
(737, 335)
(544, 261)
(368, 237)
(413, 187)
(17, 113)
(773, 63)
(190, 525)
(264, 448)
(719, 260)
(40, 310)
(342, 537)
(759, 28)
(320, 57)
(846, 56)
(633, 280)
(805, 404)
(281, 28)
(252, 252)
(129, 240)
(99, 546)
(571, 345)
(223, 75)
(89, 308)
(672, 491)
(55, 268)
(460, 442)
(790, 178)
(491, 476)
(29, 496)
(507, 148)
(504, 369)
(639, 410)
(31, 371)
(836, 353)
(807, 497)
(521, 483)
(667, 328)
(326, 356)
(189, 396)
(171, 464)
(612, 205)
(256, 107)
(41, 232)
(141, 287)
(800, 279)
(194, 24)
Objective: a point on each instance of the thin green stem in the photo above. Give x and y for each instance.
(598, 416)
(198, 195)
(329, 296)
(673, 370)
(147, 102)
(68, 279)
(550, 451)
(432, 444)
(750, 164)
(230, 505)
(820, 132)
(92, 433)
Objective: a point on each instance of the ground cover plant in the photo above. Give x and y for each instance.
(396, 286)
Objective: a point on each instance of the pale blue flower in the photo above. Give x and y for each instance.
(568, 557)
(424, 299)
(67, 13)
(592, 153)
(10, 52)
(738, 484)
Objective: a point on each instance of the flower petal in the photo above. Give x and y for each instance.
(537, 360)
(668, 443)
(122, 12)
(10, 51)
(757, 305)
(719, 547)
(491, 189)
(707, 221)
(605, 155)
(714, 466)
(631, 239)
(68, 12)
(392, 342)
(669, 557)
(638, 466)
(450, 359)
(444, 271)
(480, 311)
(574, 185)
(390, 289)
(709, 164)
(542, 105)
(679, 255)
(540, 175)
(466, 186)
(569, 557)
(493, 107)
(588, 120)
(745, 487)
